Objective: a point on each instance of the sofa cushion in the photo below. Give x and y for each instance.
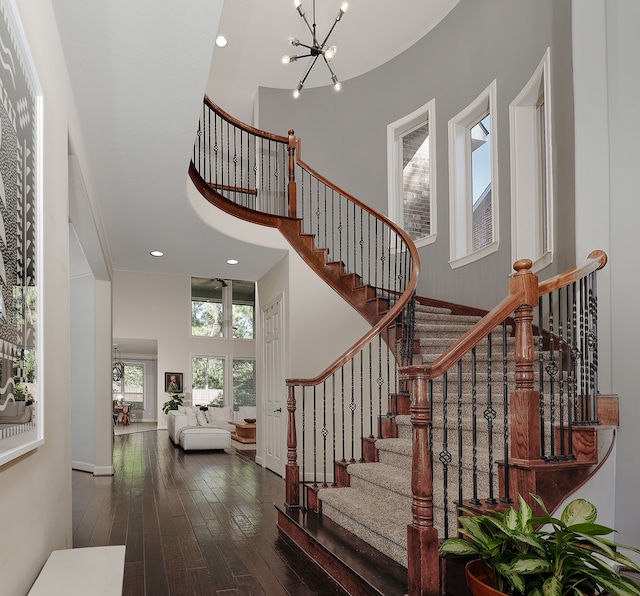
(219, 414)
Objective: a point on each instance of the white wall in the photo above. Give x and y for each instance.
(83, 372)
(35, 490)
(607, 53)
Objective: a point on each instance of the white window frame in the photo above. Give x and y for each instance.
(395, 131)
(527, 225)
(460, 183)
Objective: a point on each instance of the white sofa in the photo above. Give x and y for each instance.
(193, 428)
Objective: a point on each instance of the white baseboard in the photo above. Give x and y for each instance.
(82, 466)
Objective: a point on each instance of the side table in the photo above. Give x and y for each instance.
(245, 432)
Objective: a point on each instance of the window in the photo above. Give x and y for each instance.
(244, 382)
(222, 308)
(130, 388)
(531, 170)
(243, 309)
(411, 173)
(473, 181)
(207, 379)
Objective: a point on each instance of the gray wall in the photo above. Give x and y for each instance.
(344, 134)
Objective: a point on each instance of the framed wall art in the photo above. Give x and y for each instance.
(21, 400)
(173, 382)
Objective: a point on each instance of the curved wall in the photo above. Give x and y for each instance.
(344, 134)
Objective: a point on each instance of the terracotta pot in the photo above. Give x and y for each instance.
(479, 579)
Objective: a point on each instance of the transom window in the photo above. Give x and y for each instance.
(222, 308)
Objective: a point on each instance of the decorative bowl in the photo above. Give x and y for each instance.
(250, 420)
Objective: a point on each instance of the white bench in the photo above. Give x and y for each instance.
(96, 570)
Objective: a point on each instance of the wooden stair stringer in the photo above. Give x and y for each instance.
(360, 296)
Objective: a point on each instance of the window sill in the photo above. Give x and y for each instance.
(474, 256)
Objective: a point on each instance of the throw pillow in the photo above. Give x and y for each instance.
(190, 411)
(201, 418)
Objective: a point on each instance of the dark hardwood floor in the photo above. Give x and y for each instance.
(195, 523)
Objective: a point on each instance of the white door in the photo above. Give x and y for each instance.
(275, 391)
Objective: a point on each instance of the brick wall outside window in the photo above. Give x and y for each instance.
(416, 190)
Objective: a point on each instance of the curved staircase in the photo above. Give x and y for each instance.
(436, 404)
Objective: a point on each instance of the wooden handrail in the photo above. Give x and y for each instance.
(596, 260)
(363, 206)
(250, 129)
(465, 343)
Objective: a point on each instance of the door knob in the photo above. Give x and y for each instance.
(278, 410)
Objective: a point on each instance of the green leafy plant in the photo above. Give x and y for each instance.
(546, 556)
(174, 401)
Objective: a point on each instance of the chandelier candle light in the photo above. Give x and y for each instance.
(316, 49)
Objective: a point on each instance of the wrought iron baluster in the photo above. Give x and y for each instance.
(370, 376)
(314, 438)
(325, 432)
(380, 382)
(593, 343)
(344, 450)
(334, 433)
(460, 437)
(552, 371)
(561, 397)
(444, 456)
(505, 407)
(352, 407)
(474, 429)
(304, 448)
(489, 416)
(541, 374)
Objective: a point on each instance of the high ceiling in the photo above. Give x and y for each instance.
(139, 71)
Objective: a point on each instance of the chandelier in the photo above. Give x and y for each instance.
(316, 49)
(118, 366)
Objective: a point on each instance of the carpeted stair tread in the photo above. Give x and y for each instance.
(445, 318)
(391, 478)
(368, 518)
(396, 445)
(423, 308)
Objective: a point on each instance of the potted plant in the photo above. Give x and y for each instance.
(174, 401)
(534, 556)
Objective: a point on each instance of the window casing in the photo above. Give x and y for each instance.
(411, 173)
(473, 181)
(532, 194)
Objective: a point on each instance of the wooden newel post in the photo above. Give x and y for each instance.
(525, 400)
(292, 175)
(292, 472)
(422, 538)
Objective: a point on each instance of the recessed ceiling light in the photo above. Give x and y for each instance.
(232, 261)
(221, 41)
(156, 253)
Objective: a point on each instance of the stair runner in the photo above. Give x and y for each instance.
(376, 506)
